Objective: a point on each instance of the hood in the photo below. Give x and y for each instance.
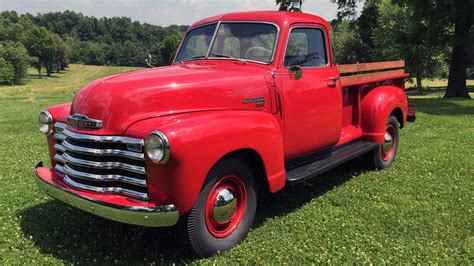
(123, 99)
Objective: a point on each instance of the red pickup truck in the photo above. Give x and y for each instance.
(252, 103)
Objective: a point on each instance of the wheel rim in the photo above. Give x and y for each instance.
(225, 206)
(388, 147)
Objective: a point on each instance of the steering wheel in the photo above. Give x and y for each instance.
(257, 48)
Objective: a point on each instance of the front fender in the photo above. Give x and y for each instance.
(376, 106)
(199, 140)
(59, 113)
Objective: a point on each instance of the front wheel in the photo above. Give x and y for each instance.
(224, 210)
(385, 154)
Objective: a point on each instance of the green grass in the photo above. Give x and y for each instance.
(418, 211)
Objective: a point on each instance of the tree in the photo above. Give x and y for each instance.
(61, 54)
(462, 41)
(347, 43)
(290, 5)
(167, 49)
(17, 56)
(6, 72)
(448, 22)
(84, 39)
(397, 26)
(40, 45)
(347, 8)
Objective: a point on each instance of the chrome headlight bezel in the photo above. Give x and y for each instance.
(45, 122)
(157, 147)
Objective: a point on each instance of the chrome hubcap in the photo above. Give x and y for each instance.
(387, 143)
(225, 206)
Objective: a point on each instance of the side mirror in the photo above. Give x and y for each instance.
(148, 61)
(295, 72)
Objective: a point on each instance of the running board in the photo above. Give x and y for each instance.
(336, 157)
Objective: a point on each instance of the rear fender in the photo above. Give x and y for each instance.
(199, 140)
(376, 106)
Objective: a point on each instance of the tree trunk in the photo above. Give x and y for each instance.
(49, 71)
(457, 70)
(419, 86)
(39, 71)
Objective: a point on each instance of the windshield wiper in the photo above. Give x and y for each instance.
(192, 58)
(228, 56)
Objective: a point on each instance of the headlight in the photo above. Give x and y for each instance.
(157, 147)
(45, 121)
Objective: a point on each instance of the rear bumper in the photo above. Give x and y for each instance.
(411, 116)
(130, 212)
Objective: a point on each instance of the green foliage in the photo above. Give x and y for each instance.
(77, 38)
(168, 48)
(290, 5)
(61, 54)
(347, 44)
(7, 72)
(347, 8)
(40, 44)
(430, 34)
(17, 55)
(419, 211)
(396, 28)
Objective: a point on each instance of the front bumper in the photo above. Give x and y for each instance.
(116, 208)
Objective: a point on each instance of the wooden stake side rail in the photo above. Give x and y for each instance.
(353, 74)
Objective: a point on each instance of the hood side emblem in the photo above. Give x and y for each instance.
(259, 101)
(80, 120)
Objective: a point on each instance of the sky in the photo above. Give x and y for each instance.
(160, 12)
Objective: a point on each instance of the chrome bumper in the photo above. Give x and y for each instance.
(159, 216)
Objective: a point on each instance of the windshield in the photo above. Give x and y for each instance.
(250, 41)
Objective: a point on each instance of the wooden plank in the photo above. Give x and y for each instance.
(344, 69)
(370, 76)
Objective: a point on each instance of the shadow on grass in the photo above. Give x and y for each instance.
(439, 106)
(45, 76)
(439, 90)
(74, 236)
(294, 197)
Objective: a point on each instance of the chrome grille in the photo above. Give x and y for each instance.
(101, 164)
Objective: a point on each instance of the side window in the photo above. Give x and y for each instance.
(306, 48)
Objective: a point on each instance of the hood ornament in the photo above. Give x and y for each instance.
(80, 120)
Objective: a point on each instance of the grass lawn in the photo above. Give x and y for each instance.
(434, 87)
(418, 211)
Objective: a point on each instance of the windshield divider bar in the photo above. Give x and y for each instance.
(211, 44)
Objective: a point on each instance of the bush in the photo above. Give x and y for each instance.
(6, 72)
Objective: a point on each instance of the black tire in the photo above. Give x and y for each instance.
(382, 160)
(195, 231)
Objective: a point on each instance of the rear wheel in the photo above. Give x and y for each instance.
(384, 156)
(224, 210)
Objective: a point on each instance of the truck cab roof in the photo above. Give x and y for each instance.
(280, 18)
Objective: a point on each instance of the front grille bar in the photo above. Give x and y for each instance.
(66, 146)
(102, 139)
(103, 178)
(59, 168)
(102, 165)
(114, 190)
(59, 158)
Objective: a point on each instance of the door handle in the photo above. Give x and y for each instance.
(332, 82)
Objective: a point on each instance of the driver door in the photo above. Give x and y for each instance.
(313, 104)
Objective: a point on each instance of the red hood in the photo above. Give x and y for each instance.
(123, 99)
